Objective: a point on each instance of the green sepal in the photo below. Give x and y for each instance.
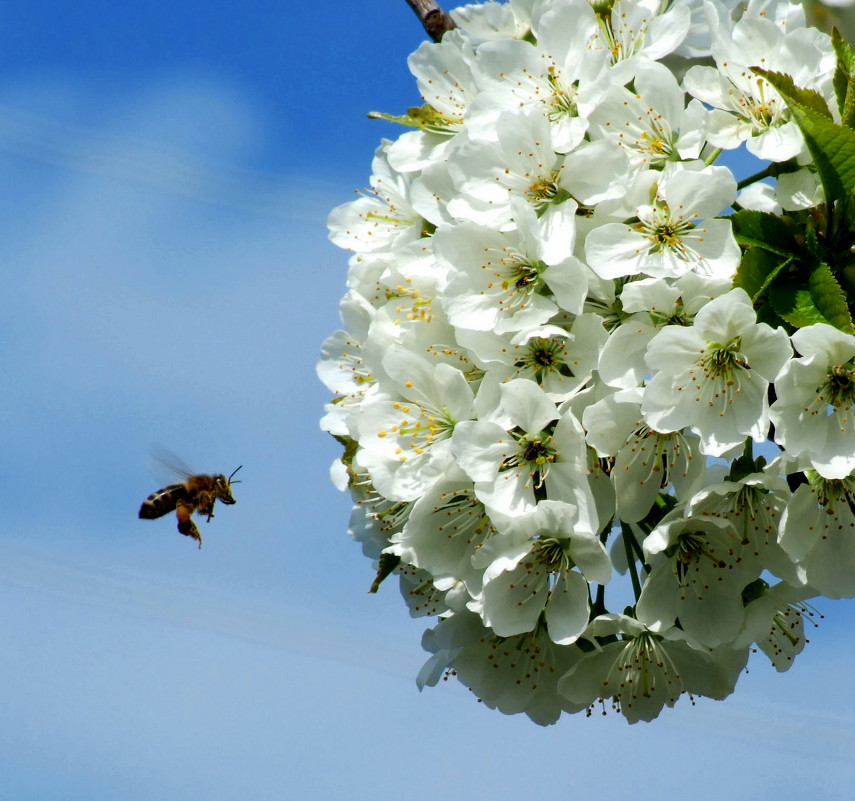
(663, 505)
(426, 118)
(588, 646)
(350, 447)
(388, 562)
(756, 589)
(832, 146)
(830, 299)
(746, 465)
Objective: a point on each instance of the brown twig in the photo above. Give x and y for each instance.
(435, 21)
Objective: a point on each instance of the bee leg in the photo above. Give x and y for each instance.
(205, 502)
(185, 523)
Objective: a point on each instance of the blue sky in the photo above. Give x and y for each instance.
(167, 282)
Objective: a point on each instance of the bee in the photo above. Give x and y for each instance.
(197, 493)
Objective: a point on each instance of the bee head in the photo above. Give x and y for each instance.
(224, 491)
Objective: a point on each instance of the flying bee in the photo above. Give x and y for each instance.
(197, 493)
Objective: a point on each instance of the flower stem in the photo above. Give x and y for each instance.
(628, 542)
(599, 606)
(710, 159)
(770, 171)
(767, 172)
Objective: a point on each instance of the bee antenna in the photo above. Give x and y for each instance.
(233, 472)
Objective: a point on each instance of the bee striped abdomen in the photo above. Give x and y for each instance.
(163, 501)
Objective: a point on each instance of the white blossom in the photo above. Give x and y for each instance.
(698, 574)
(814, 414)
(645, 461)
(550, 376)
(775, 620)
(818, 530)
(713, 376)
(645, 671)
(559, 361)
(523, 163)
(746, 108)
(513, 674)
(533, 574)
(648, 29)
(407, 437)
(382, 218)
(652, 123)
(559, 77)
(494, 20)
(674, 233)
(648, 305)
(444, 530)
(510, 467)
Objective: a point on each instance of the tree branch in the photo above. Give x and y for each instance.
(435, 21)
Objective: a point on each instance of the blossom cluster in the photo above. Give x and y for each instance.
(549, 384)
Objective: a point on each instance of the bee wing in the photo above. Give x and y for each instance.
(167, 467)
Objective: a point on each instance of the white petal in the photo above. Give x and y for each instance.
(480, 448)
(614, 250)
(528, 405)
(568, 608)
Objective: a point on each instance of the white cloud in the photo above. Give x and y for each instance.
(181, 137)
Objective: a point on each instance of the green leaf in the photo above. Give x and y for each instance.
(833, 149)
(763, 230)
(766, 314)
(757, 270)
(844, 51)
(842, 80)
(822, 300)
(832, 146)
(830, 299)
(795, 305)
(847, 113)
(812, 244)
